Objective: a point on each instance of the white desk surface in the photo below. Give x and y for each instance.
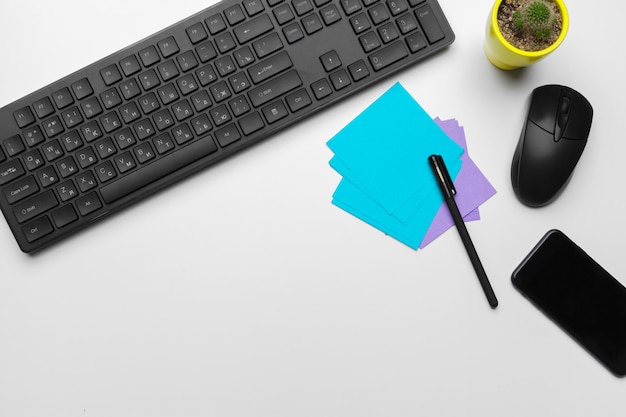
(244, 292)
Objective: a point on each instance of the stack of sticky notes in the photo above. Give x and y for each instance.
(382, 156)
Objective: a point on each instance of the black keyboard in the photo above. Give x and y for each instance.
(184, 98)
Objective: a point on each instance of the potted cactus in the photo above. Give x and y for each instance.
(522, 32)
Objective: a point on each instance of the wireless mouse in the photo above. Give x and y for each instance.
(552, 140)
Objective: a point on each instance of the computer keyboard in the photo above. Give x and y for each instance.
(190, 95)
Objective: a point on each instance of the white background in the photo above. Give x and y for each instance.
(243, 291)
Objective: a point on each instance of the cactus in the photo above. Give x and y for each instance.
(536, 18)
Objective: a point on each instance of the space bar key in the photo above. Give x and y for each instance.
(158, 169)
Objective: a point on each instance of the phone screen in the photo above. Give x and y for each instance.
(579, 295)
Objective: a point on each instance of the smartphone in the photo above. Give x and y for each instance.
(580, 296)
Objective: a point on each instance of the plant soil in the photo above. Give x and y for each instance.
(521, 39)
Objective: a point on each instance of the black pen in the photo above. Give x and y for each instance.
(447, 189)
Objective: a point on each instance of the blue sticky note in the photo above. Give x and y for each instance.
(384, 150)
(410, 232)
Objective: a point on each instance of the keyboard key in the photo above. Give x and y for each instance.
(110, 98)
(227, 135)
(63, 98)
(163, 143)
(196, 33)
(110, 75)
(312, 23)
(340, 79)
(88, 204)
(130, 89)
(71, 140)
(168, 70)
(158, 169)
(251, 123)
(302, 7)
(124, 162)
(321, 89)
(82, 89)
(206, 51)
(86, 157)
(187, 84)
(105, 147)
(144, 153)
(91, 107)
(239, 106)
(253, 7)
(124, 138)
(388, 55)
(293, 32)
(21, 189)
(416, 42)
(234, 14)
(274, 88)
(283, 14)
(358, 70)
(429, 23)
(67, 167)
(378, 14)
(33, 136)
(105, 172)
(64, 216)
(369, 41)
(47, 176)
(37, 229)
(225, 65)
(270, 67)
(182, 134)
(149, 56)
(330, 61)
(86, 181)
(225, 42)
(66, 190)
(35, 206)
(267, 45)
(110, 122)
(298, 100)
(397, 6)
(43, 107)
(253, 28)
(14, 145)
(72, 117)
(23, 117)
(330, 14)
(33, 159)
(388, 32)
(350, 6)
(149, 79)
(275, 111)
(406, 23)
(220, 115)
(215, 24)
(206, 75)
(360, 23)
(53, 150)
(187, 61)
(130, 65)
(52, 126)
(168, 47)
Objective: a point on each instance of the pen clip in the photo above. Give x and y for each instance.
(445, 182)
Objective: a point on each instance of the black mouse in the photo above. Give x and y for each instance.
(553, 138)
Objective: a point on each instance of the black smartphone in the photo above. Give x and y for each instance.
(573, 290)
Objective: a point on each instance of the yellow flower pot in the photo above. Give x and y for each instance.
(507, 57)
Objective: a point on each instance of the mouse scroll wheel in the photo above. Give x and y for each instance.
(561, 121)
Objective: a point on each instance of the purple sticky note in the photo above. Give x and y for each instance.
(472, 187)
